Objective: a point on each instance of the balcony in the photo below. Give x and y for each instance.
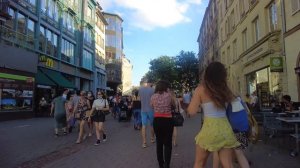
(4, 4)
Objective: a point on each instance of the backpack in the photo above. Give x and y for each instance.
(237, 115)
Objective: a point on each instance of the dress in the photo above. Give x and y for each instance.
(216, 132)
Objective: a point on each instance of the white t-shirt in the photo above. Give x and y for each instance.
(100, 103)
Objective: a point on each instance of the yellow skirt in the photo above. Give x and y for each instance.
(215, 134)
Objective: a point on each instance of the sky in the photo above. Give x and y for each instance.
(153, 28)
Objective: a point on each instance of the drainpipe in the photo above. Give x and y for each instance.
(283, 30)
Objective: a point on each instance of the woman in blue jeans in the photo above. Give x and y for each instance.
(136, 109)
(162, 101)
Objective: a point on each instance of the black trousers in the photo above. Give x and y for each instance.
(163, 128)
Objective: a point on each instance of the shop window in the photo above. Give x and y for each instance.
(16, 92)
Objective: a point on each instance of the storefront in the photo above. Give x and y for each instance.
(17, 82)
(16, 94)
(266, 85)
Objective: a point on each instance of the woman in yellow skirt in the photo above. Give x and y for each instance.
(216, 134)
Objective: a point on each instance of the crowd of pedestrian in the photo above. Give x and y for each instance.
(153, 106)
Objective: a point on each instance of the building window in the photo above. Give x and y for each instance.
(273, 16)
(10, 23)
(295, 6)
(67, 51)
(245, 40)
(256, 29)
(89, 13)
(42, 39)
(242, 8)
(30, 33)
(229, 56)
(87, 35)
(234, 50)
(21, 25)
(87, 60)
(69, 22)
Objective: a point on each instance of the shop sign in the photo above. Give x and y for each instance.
(276, 64)
(17, 77)
(48, 61)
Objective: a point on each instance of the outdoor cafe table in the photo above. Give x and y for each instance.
(297, 112)
(296, 121)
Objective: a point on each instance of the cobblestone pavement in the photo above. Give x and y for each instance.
(30, 143)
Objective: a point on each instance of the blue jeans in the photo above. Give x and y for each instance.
(137, 117)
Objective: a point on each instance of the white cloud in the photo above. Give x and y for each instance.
(151, 14)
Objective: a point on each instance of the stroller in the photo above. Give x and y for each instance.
(122, 111)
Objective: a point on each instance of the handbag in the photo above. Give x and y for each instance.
(105, 112)
(177, 118)
(237, 115)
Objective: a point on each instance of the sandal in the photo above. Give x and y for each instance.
(78, 142)
(152, 140)
(144, 145)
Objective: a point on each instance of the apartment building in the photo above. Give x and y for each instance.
(100, 72)
(291, 29)
(250, 45)
(208, 37)
(113, 51)
(45, 45)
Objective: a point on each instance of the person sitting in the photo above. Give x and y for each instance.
(286, 103)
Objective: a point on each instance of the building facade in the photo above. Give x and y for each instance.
(51, 44)
(250, 44)
(114, 50)
(126, 75)
(100, 72)
(291, 35)
(208, 37)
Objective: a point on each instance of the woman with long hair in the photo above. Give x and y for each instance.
(216, 134)
(97, 115)
(162, 101)
(82, 108)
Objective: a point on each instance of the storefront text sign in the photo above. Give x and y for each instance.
(276, 64)
(48, 61)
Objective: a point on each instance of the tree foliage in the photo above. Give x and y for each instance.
(181, 71)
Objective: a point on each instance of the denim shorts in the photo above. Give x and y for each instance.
(147, 116)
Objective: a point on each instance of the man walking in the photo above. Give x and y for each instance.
(147, 113)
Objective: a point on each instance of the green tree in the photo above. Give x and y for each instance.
(187, 67)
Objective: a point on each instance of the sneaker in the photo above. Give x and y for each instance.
(97, 143)
(104, 138)
(56, 135)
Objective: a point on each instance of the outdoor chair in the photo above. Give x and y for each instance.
(273, 128)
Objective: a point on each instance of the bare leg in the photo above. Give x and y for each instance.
(101, 129)
(201, 157)
(81, 131)
(225, 156)
(56, 131)
(243, 162)
(97, 130)
(144, 134)
(216, 160)
(90, 125)
(152, 135)
(174, 136)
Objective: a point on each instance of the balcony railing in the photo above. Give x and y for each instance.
(14, 38)
(4, 9)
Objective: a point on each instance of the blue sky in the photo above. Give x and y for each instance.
(153, 28)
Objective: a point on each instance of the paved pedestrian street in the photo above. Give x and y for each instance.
(31, 143)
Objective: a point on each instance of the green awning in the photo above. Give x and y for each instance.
(57, 78)
(42, 79)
